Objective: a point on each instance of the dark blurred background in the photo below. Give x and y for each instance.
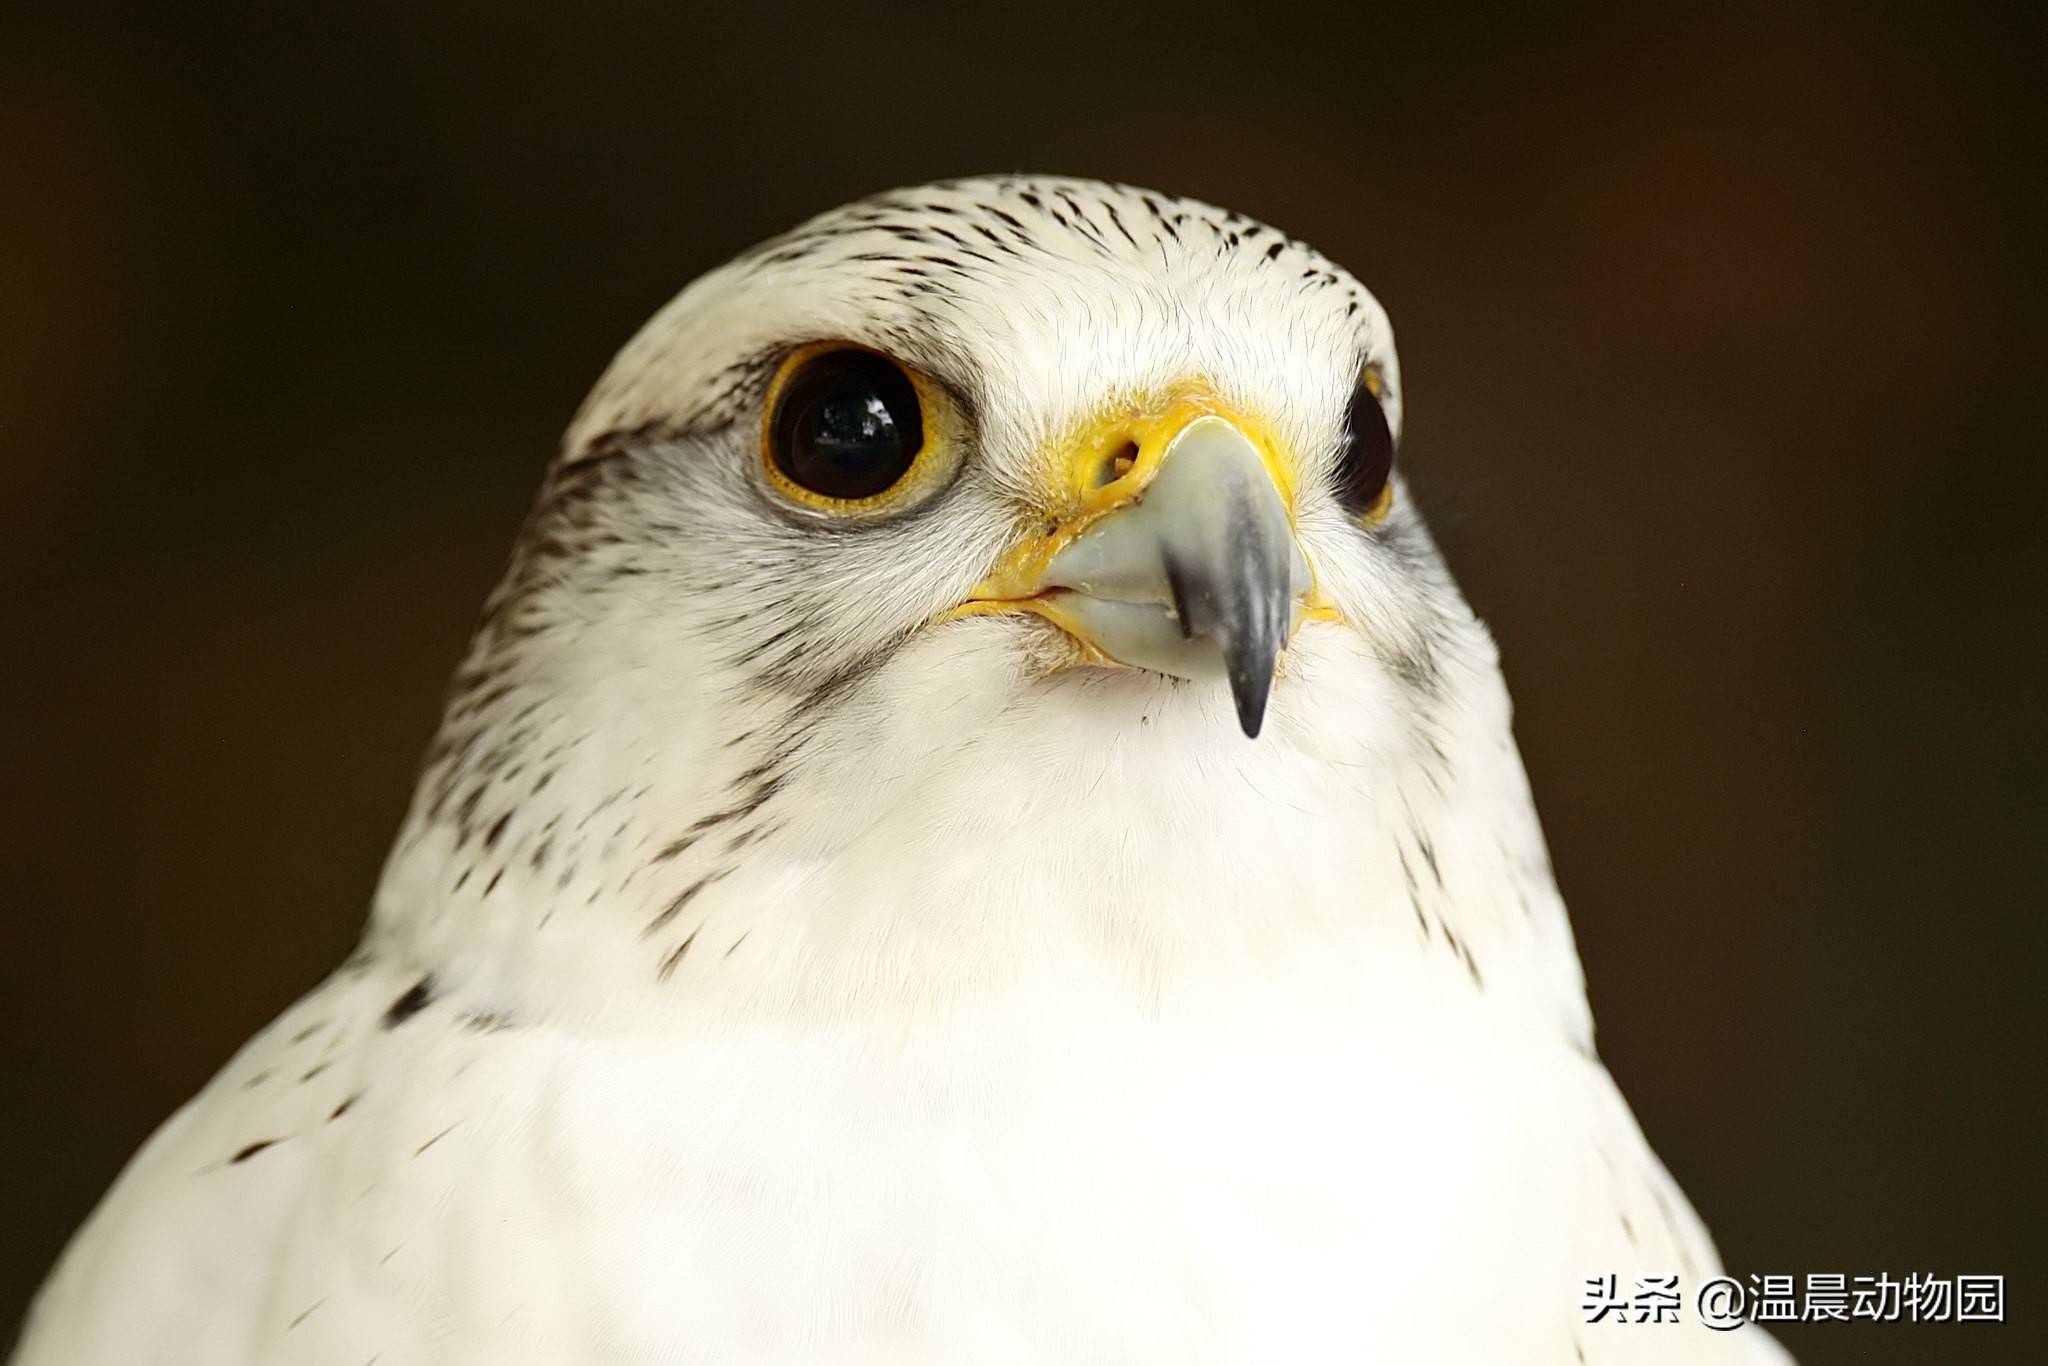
(1720, 384)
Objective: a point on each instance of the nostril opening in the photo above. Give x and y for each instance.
(1117, 464)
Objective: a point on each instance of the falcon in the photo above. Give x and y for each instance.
(976, 827)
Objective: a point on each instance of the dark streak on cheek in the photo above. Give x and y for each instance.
(846, 677)
(416, 998)
(254, 1148)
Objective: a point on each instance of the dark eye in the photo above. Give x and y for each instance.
(1368, 458)
(846, 425)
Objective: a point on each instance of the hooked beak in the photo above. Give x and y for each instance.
(1180, 559)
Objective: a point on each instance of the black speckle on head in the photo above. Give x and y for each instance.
(1428, 854)
(743, 838)
(254, 1148)
(677, 847)
(1408, 874)
(670, 963)
(1464, 955)
(466, 812)
(346, 1105)
(766, 783)
(416, 998)
(437, 1138)
(682, 899)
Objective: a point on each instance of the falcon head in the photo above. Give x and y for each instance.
(1031, 469)
(1096, 427)
(1145, 433)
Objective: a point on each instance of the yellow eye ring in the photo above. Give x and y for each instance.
(849, 431)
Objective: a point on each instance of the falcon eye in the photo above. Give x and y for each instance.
(844, 424)
(1368, 458)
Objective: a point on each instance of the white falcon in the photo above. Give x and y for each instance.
(846, 917)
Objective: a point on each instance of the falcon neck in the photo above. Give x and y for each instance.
(628, 861)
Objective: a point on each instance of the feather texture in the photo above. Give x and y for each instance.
(766, 973)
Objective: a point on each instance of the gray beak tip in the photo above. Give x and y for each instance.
(1249, 692)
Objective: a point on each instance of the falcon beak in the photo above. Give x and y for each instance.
(1176, 553)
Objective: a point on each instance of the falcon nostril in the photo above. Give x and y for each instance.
(1116, 464)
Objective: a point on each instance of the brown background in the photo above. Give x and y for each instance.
(1719, 391)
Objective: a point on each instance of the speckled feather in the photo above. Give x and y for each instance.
(765, 973)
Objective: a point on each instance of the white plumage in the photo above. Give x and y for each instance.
(774, 968)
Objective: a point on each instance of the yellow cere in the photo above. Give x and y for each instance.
(1105, 464)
